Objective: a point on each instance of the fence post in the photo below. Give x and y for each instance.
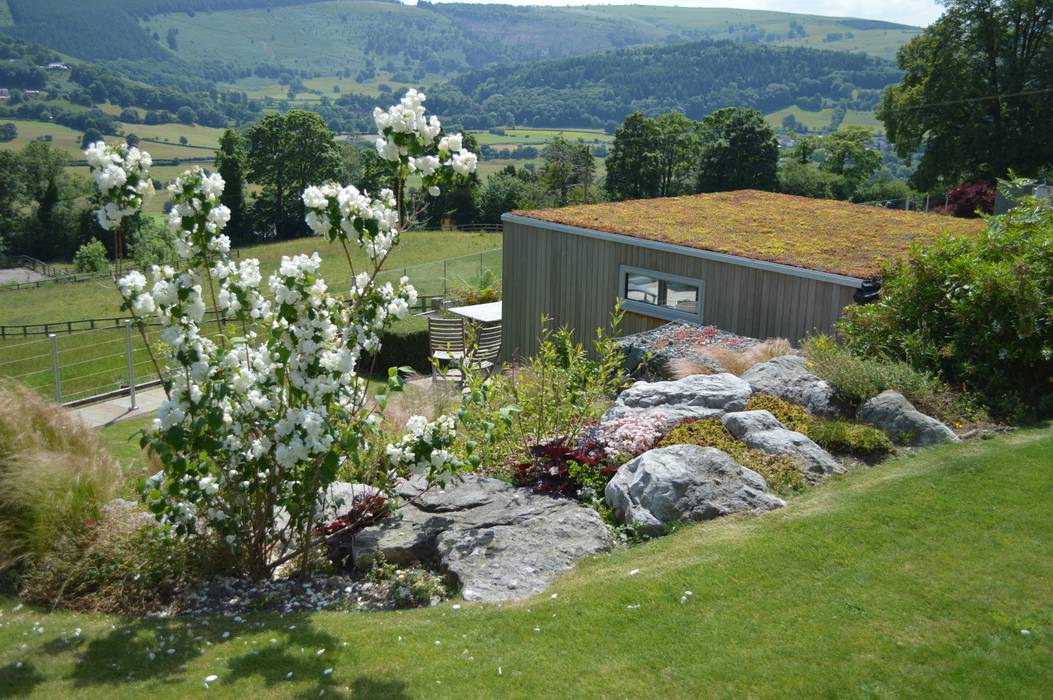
(444, 279)
(480, 268)
(55, 373)
(131, 362)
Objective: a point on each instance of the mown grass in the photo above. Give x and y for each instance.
(913, 579)
(93, 362)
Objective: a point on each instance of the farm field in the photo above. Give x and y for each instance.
(927, 576)
(822, 118)
(94, 361)
(99, 298)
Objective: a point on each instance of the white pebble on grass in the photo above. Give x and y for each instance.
(288, 676)
(1025, 632)
(327, 672)
(634, 572)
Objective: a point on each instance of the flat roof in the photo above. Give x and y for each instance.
(854, 240)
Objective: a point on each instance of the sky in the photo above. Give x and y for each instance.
(915, 12)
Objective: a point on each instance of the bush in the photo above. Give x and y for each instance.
(112, 566)
(734, 361)
(857, 379)
(849, 438)
(969, 198)
(782, 472)
(706, 432)
(91, 257)
(630, 436)
(976, 311)
(403, 345)
(555, 396)
(55, 472)
(152, 244)
(487, 290)
(561, 468)
(789, 414)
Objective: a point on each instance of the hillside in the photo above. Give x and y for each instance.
(371, 39)
(694, 78)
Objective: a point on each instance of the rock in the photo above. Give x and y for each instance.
(761, 430)
(499, 541)
(905, 425)
(685, 483)
(127, 513)
(697, 396)
(788, 378)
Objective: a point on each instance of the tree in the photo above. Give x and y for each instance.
(186, 115)
(91, 135)
(501, 193)
(632, 166)
(231, 163)
(739, 151)
(677, 149)
(976, 93)
(8, 132)
(287, 152)
(48, 232)
(848, 155)
(567, 166)
(91, 257)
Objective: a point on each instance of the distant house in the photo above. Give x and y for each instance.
(57, 66)
(4, 93)
(754, 263)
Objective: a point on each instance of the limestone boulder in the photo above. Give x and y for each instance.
(500, 542)
(905, 425)
(684, 483)
(788, 378)
(697, 396)
(760, 430)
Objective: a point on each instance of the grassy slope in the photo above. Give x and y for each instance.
(100, 299)
(913, 579)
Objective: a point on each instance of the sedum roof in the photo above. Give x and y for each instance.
(816, 234)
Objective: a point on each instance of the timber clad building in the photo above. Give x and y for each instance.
(754, 263)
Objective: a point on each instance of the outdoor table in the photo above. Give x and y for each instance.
(480, 313)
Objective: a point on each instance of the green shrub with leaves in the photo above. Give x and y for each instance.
(152, 244)
(839, 436)
(792, 415)
(706, 432)
(782, 472)
(857, 378)
(976, 311)
(556, 393)
(91, 257)
(846, 437)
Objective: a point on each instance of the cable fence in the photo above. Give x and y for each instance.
(81, 360)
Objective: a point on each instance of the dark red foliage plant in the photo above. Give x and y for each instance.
(968, 198)
(550, 469)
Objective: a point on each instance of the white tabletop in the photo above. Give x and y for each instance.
(483, 313)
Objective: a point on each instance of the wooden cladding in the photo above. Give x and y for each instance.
(575, 280)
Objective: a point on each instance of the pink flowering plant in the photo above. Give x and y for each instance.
(627, 437)
(264, 409)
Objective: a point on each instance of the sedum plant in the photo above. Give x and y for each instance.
(265, 405)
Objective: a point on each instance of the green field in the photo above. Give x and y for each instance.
(95, 361)
(822, 118)
(927, 576)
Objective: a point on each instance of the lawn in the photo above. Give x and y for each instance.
(929, 576)
(419, 249)
(95, 361)
(822, 118)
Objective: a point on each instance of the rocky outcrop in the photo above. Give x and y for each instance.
(500, 542)
(905, 425)
(684, 483)
(697, 396)
(788, 378)
(761, 430)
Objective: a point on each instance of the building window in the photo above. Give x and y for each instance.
(661, 295)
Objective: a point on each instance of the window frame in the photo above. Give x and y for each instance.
(663, 312)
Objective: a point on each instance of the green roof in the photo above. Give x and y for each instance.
(817, 234)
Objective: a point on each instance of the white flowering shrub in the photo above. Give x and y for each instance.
(631, 435)
(122, 181)
(265, 407)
